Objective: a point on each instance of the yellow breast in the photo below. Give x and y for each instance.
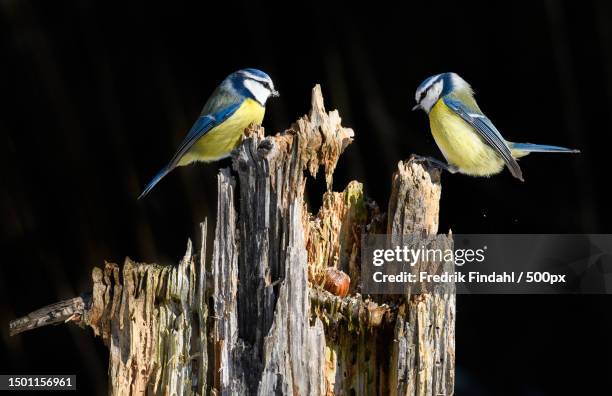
(222, 139)
(461, 145)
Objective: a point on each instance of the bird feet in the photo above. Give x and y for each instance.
(434, 163)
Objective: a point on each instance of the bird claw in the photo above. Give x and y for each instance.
(435, 163)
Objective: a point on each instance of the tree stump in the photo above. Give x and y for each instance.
(278, 309)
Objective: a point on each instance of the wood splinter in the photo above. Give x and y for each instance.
(70, 310)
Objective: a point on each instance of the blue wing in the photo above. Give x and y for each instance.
(487, 132)
(202, 126)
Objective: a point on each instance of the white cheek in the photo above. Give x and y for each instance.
(432, 96)
(260, 92)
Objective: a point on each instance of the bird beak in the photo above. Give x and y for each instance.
(416, 107)
(275, 94)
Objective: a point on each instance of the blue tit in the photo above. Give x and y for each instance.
(467, 138)
(238, 102)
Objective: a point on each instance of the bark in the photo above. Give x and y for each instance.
(269, 312)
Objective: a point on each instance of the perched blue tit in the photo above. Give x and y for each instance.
(467, 138)
(238, 102)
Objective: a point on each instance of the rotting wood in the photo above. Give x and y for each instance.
(64, 311)
(423, 353)
(334, 234)
(352, 311)
(255, 320)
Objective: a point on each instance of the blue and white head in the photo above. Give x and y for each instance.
(434, 87)
(252, 83)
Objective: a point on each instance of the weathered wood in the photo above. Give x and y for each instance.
(228, 378)
(414, 205)
(352, 311)
(423, 353)
(152, 319)
(64, 311)
(334, 234)
(285, 352)
(255, 319)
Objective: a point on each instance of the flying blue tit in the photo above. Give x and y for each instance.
(237, 102)
(467, 138)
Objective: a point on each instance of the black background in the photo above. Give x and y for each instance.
(97, 97)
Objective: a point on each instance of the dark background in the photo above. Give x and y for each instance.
(97, 96)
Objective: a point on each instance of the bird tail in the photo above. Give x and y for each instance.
(522, 149)
(155, 180)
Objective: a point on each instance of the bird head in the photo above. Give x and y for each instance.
(255, 84)
(432, 88)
